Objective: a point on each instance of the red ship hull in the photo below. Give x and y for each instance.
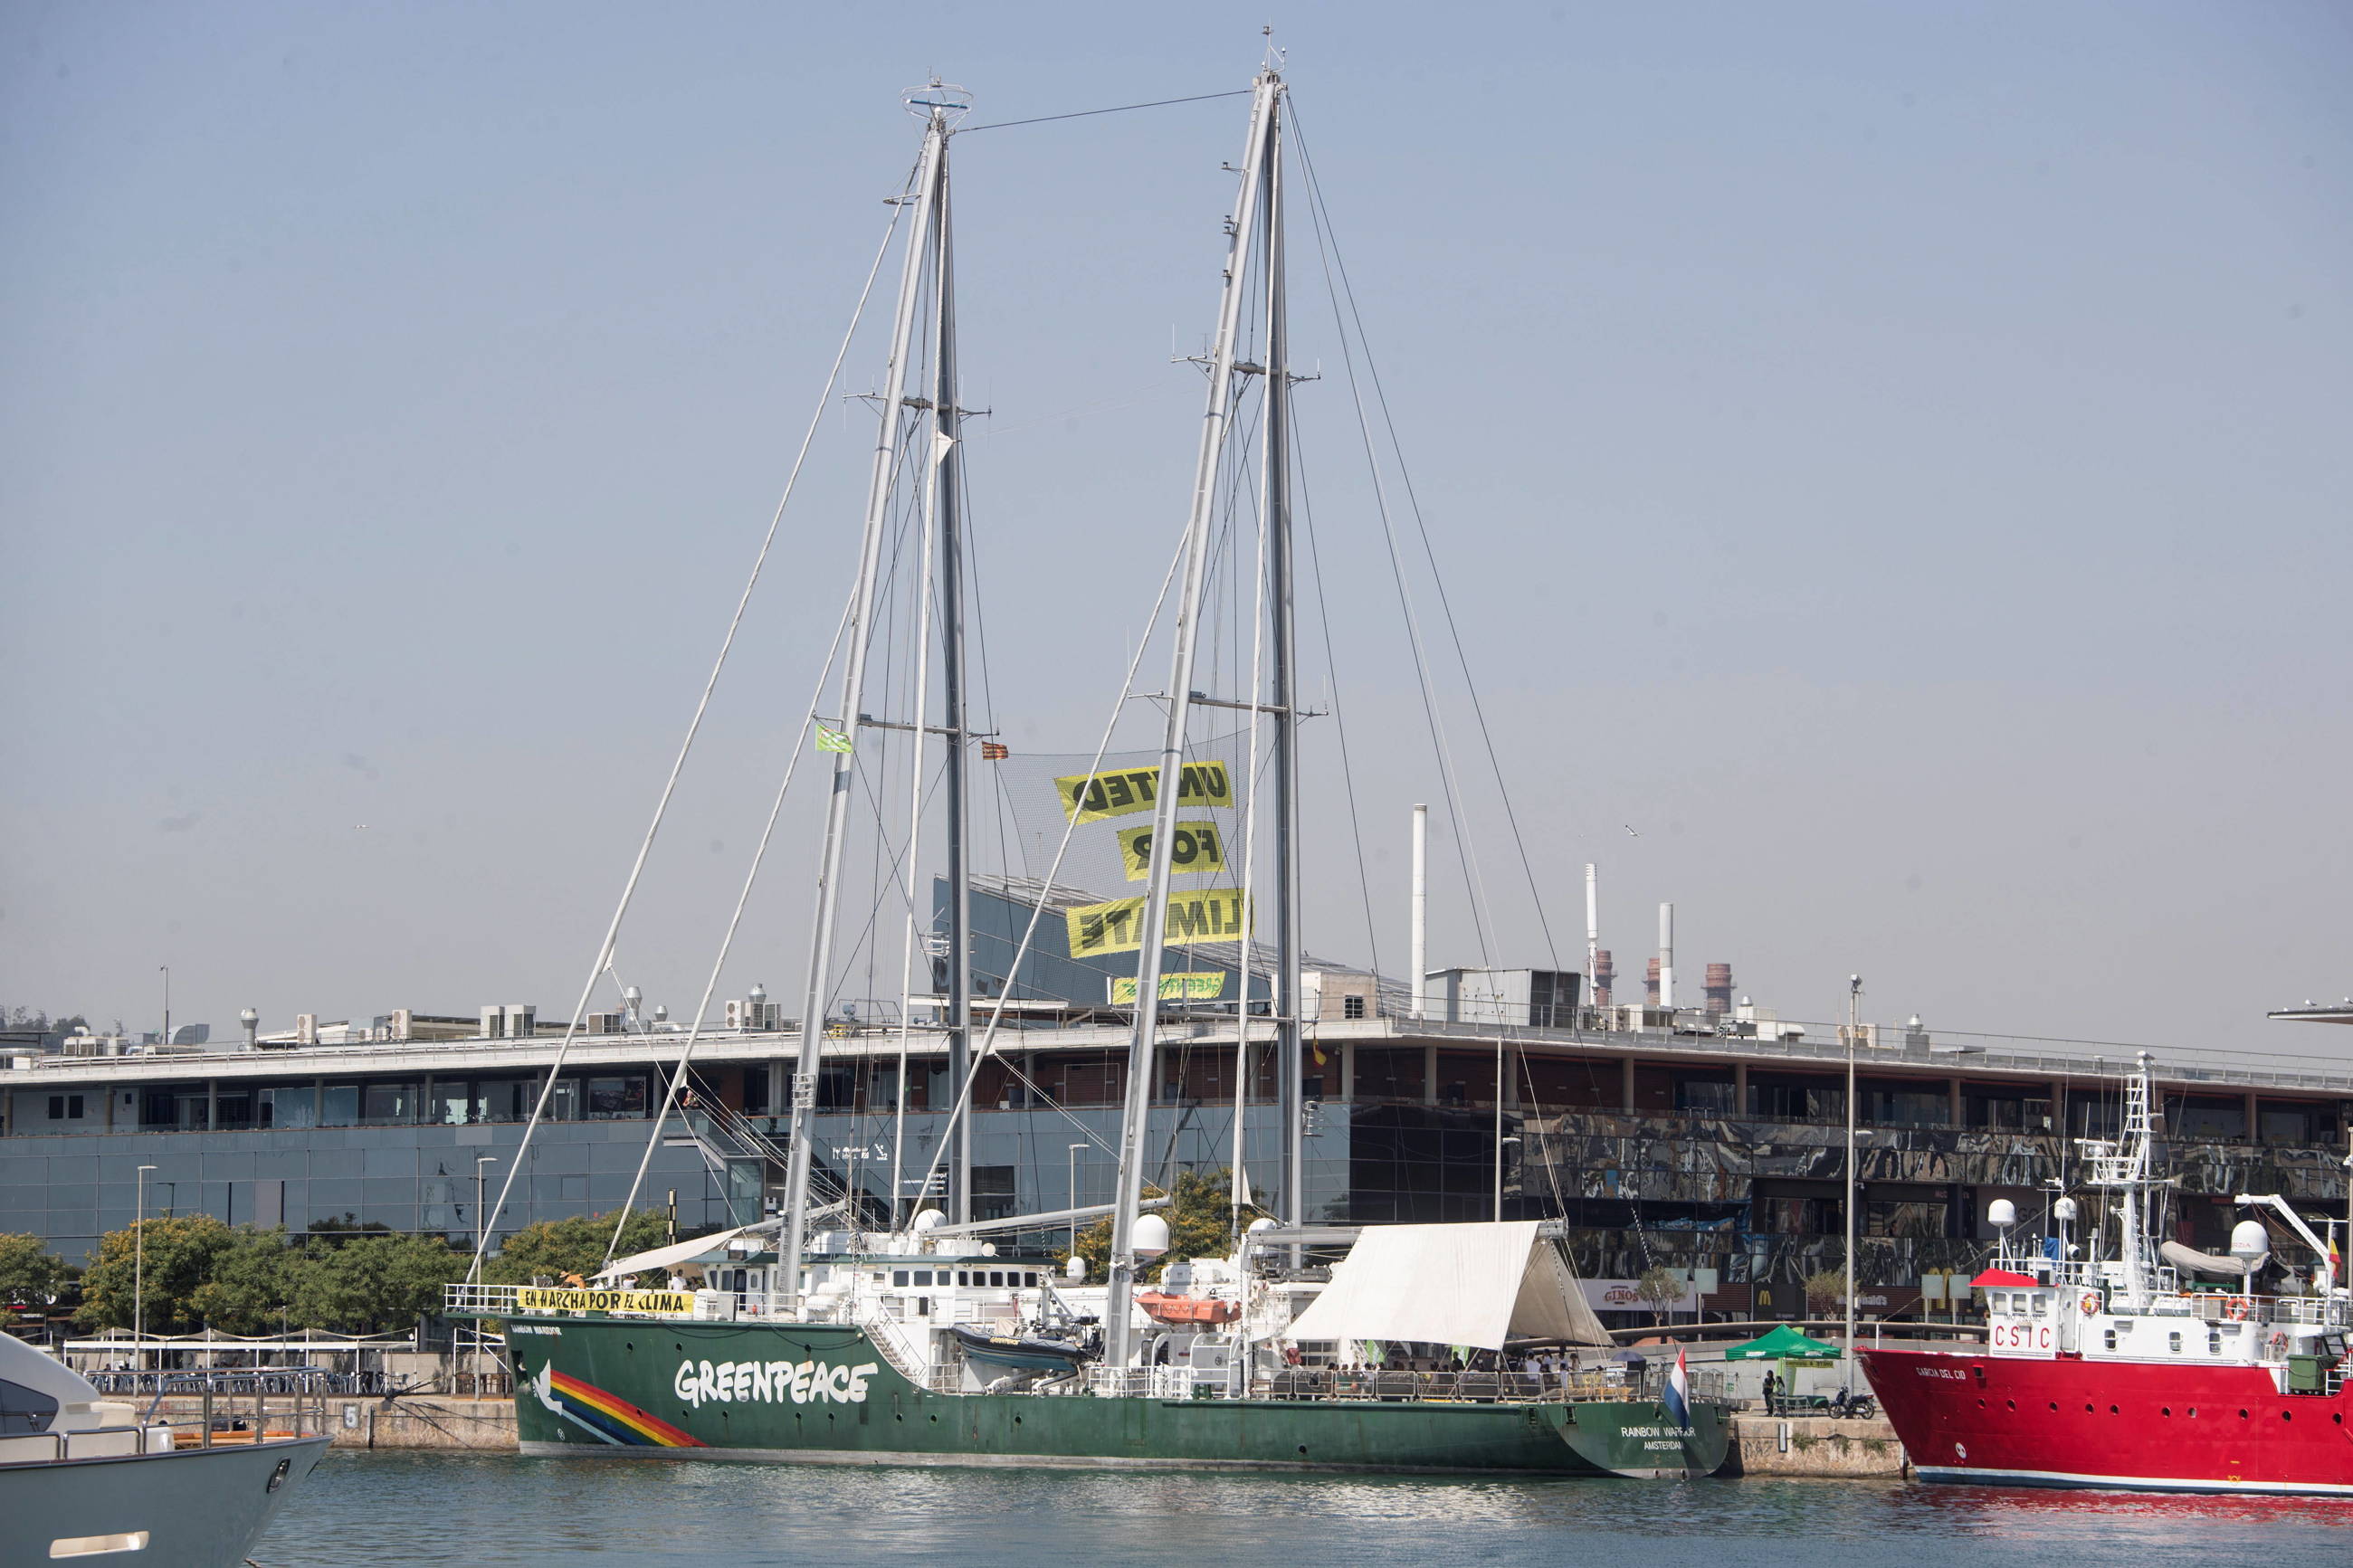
(2016, 1421)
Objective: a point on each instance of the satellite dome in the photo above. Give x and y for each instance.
(930, 1219)
(1151, 1237)
(2250, 1239)
(2001, 1212)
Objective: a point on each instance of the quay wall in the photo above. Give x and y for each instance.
(1821, 1447)
(410, 1421)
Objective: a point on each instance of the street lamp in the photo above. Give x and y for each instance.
(1074, 1197)
(479, 1221)
(1853, 1035)
(139, 1271)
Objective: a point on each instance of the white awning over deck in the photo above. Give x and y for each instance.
(1453, 1284)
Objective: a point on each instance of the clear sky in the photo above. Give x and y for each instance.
(1895, 458)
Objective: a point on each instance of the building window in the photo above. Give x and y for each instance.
(1352, 1007)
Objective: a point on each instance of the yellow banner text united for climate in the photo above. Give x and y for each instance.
(1196, 847)
(545, 1299)
(1092, 797)
(1201, 985)
(1211, 915)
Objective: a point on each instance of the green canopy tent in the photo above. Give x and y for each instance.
(1779, 1342)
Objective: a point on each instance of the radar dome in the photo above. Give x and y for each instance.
(1074, 1267)
(2001, 1211)
(2250, 1239)
(2064, 1209)
(1151, 1237)
(930, 1219)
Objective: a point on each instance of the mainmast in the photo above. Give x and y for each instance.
(941, 108)
(1280, 700)
(2126, 1167)
(1249, 214)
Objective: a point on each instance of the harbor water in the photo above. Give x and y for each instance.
(374, 1507)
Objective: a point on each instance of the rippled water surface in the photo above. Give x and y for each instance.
(500, 1509)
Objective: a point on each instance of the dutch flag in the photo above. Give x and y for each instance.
(1678, 1392)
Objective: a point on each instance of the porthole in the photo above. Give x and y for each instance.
(2287, 1415)
(2113, 1411)
(2242, 1416)
(2165, 1410)
(2054, 1404)
(2012, 1404)
(627, 1346)
(2088, 1410)
(1982, 1405)
(1302, 1448)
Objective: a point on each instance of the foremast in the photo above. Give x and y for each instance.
(927, 263)
(1255, 219)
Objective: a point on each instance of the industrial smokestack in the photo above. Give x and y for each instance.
(1666, 955)
(1593, 936)
(1604, 972)
(1719, 990)
(1651, 984)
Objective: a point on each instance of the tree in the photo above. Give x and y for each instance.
(179, 1254)
(374, 1284)
(1661, 1288)
(249, 1283)
(557, 1247)
(1825, 1291)
(29, 1275)
(1200, 1225)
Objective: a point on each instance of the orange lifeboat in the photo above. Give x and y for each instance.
(1167, 1308)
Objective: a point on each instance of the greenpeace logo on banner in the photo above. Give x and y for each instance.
(771, 1382)
(1205, 985)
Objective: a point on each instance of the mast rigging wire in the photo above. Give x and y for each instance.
(1413, 501)
(669, 785)
(1115, 109)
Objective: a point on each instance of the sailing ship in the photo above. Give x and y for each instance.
(2148, 1366)
(921, 1343)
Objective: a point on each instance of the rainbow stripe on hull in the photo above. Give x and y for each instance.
(608, 1416)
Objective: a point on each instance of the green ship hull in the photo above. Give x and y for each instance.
(826, 1393)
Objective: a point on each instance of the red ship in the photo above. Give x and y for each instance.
(2156, 1369)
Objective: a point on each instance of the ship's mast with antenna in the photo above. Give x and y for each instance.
(1251, 213)
(941, 108)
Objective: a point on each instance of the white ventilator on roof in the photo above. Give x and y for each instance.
(1453, 1284)
(677, 1252)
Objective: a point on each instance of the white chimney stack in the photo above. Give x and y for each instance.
(1592, 925)
(1667, 956)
